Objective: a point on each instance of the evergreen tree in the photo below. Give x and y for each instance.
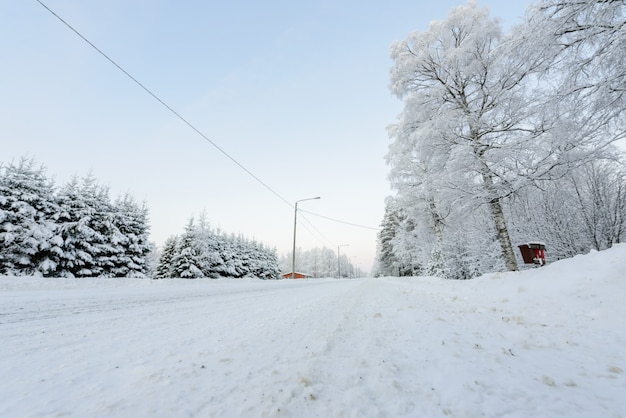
(132, 245)
(84, 223)
(107, 240)
(386, 260)
(265, 264)
(165, 267)
(209, 249)
(29, 242)
(186, 261)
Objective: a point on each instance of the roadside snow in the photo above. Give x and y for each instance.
(542, 342)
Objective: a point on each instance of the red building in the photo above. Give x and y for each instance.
(296, 275)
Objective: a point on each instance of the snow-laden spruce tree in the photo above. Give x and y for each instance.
(29, 239)
(81, 222)
(263, 262)
(186, 262)
(205, 252)
(165, 266)
(131, 236)
(387, 263)
(210, 249)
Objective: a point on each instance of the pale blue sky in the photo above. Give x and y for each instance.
(295, 91)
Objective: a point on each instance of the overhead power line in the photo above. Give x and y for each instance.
(158, 99)
(316, 230)
(190, 125)
(340, 221)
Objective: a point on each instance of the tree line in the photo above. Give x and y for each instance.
(506, 138)
(202, 251)
(320, 262)
(72, 231)
(76, 230)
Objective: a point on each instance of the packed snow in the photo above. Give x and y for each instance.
(548, 341)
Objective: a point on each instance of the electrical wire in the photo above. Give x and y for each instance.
(206, 138)
(316, 230)
(158, 99)
(340, 221)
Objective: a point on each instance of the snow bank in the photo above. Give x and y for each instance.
(542, 342)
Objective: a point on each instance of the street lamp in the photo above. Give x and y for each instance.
(295, 219)
(338, 262)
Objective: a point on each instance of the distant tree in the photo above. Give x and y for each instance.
(152, 259)
(600, 190)
(210, 249)
(263, 262)
(186, 262)
(165, 265)
(318, 262)
(386, 260)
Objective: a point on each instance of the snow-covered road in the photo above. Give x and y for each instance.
(548, 342)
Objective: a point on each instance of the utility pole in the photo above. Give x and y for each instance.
(295, 221)
(338, 260)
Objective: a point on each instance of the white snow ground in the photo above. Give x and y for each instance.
(544, 342)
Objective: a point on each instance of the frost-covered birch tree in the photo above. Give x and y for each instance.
(584, 210)
(466, 118)
(487, 115)
(586, 41)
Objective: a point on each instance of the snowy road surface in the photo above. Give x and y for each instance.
(547, 342)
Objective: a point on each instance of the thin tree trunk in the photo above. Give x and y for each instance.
(437, 221)
(502, 233)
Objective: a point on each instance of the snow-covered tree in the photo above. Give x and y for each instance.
(205, 252)
(74, 232)
(263, 262)
(585, 41)
(84, 222)
(186, 263)
(582, 211)
(465, 105)
(152, 259)
(386, 260)
(165, 265)
(131, 237)
(212, 250)
(488, 116)
(319, 262)
(29, 240)
(600, 191)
